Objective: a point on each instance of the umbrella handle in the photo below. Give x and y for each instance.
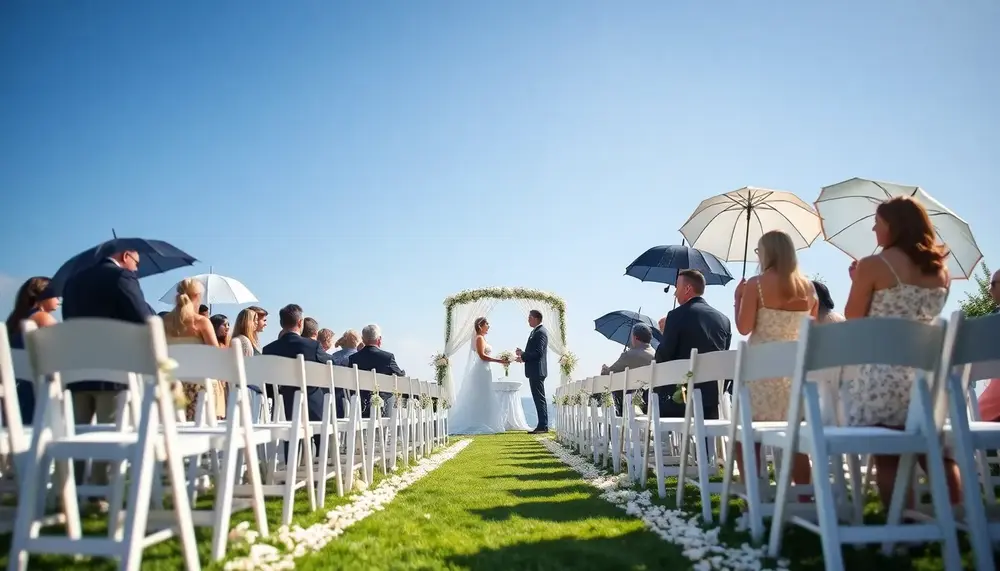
(746, 242)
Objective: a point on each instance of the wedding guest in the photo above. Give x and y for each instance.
(989, 400)
(347, 343)
(291, 343)
(245, 329)
(639, 354)
(770, 308)
(203, 310)
(310, 328)
(261, 317)
(183, 326)
(662, 323)
(34, 301)
(370, 357)
(826, 313)
(108, 289)
(908, 280)
(325, 338)
(693, 324)
(221, 324)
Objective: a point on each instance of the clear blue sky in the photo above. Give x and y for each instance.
(368, 159)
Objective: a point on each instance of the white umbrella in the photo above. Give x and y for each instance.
(218, 289)
(848, 212)
(726, 225)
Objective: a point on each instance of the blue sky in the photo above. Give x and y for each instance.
(366, 160)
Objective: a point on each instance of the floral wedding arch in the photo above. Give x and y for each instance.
(462, 309)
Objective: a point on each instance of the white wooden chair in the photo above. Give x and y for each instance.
(637, 390)
(284, 372)
(15, 440)
(616, 425)
(600, 418)
(704, 368)
(972, 344)
(354, 457)
(328, 428)
(373, 428)
(659, 431)
(888, 341)
(101, 344)
(236, 436)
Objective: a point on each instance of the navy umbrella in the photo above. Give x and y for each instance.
(617, 326)
(155, 257)
(661, 264)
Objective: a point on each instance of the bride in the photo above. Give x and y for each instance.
(477, 410)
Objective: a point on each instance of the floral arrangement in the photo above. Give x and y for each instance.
(167, 368)
(445, 404)
(680, 395)
(555, 399)
(607, 400)
(567, 363)
(565, 400)
(585, 397)
(637, 399)
(396, 398)
(440, 364)
(425, 400)
(506, 358)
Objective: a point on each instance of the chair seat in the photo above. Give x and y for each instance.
(119, 446)
(853, 439)
(984, 434)
(759, 427)
(257, 435)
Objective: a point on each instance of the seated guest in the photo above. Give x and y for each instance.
(372, 357)
(325, 338)
(826, 313)
(310, 328)
(183, 326)
(36, 302)
(694, 324)
(770, 308)
(347, 343)
(245, 330)
(221, 324)
(639, 354)
(203, 310)
(291, 344)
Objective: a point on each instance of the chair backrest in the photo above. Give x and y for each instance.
(670, 373)
(17, 440)
(94, 344)
(367, 380)
(602, 383)
(617, 381)
(198, 362)
(319, 375)
(275, 370)
(714, 366)
(635, 379)
(765, 361)
(345, 378)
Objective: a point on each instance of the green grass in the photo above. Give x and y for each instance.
(503, 503)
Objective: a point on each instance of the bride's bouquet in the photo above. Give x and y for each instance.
(505, 359)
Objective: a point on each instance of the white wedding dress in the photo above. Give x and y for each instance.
(476, 409)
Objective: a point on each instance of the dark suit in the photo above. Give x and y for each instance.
(291, 345)
(371, 357)
(694, 325)
(103, 290)
(536, 368)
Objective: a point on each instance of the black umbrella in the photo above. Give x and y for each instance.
(156, 257)
(617, 326)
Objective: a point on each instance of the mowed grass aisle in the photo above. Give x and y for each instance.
(503, 503)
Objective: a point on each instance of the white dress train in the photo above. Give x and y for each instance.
(476, 409)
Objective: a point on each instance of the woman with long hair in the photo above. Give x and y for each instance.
(36, 302)
(908, 279)
(183, 324)
(769, 308)
(222, 331)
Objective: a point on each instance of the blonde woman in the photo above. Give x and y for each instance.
(184, 325)
(770, 308)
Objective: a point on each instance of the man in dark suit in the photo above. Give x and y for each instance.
(370, 357)
(108, 289)
(694, 324)
(536, 368)
(291, 344)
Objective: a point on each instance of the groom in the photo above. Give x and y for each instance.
(536, 368)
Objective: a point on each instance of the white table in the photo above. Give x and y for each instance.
(508, 394)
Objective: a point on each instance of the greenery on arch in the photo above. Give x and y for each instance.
(505, 294)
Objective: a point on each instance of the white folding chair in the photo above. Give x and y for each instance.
(659, 431)
(104, 344)
(705, 368)
(355, 455)
(637, 393)
(875, 340)
(328, 428)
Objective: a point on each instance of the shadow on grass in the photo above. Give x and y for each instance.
(636, 550)
(556, 511)
(549, 492)
(540, 477)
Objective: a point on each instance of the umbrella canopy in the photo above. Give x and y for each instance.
(617, 326)
(848, 212)
(218, 289)
(726, 225)
(661, 264)
(155, 257)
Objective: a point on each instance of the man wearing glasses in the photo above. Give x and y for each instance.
(109, 289)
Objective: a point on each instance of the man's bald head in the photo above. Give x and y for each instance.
(995, 286)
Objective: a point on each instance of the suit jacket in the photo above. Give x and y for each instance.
(292, 345)
(695, 325)
(372, 357)
(104, 290)
(534, 354)
(633, 359)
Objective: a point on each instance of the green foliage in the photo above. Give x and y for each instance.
(817, 278)
(979, 302)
